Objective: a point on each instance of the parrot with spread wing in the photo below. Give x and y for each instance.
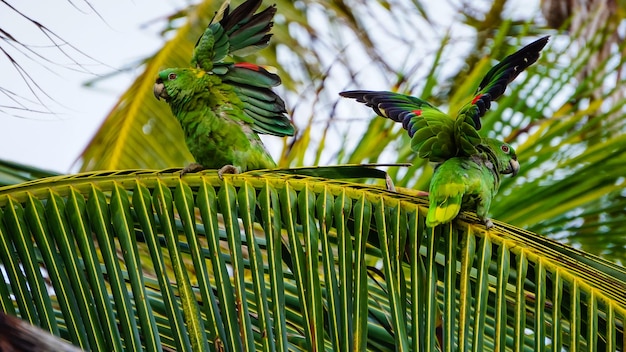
(223, 105)
(468, 166)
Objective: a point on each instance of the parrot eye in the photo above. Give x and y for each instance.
(171, 76)
(505, 148)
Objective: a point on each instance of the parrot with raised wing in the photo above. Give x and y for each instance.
(468, 167)
(222, 105)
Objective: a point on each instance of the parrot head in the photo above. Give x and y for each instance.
(503, 154)
(174, 83)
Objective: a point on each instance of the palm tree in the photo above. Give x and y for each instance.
(277, 261)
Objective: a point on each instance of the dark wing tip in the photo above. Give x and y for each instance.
(361, 96)
(511, 66)
(239, 13)
(540, 43)
(353, 93)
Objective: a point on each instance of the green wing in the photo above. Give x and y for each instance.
(242, 32)
(433, 133)
(497, 79)
(253, 85)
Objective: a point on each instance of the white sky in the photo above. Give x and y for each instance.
(116, 40)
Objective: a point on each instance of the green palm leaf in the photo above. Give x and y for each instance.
(137, 259)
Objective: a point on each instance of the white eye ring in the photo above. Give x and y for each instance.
(505, 148)
(171, 76)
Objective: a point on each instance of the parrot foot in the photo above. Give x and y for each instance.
(227, 169)
(191, 168)
(389, 183)
(485, 221)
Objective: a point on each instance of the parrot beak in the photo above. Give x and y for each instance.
(159, 90)
(514, 167)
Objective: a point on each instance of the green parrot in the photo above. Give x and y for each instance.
(468, 167)
(222, 105)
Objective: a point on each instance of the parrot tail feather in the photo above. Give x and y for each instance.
(445, 204)
(442, 214)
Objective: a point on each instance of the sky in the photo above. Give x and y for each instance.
(111, 36)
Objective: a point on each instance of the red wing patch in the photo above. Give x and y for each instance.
(249, 66)
(476, 98)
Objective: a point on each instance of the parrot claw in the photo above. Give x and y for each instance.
(191, 168)
(485, 221)
(389, 183)
(227, 169)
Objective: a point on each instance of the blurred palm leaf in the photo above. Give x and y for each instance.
(12, 173)
(263, 261)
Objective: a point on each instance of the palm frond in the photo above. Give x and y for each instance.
(274, 262)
